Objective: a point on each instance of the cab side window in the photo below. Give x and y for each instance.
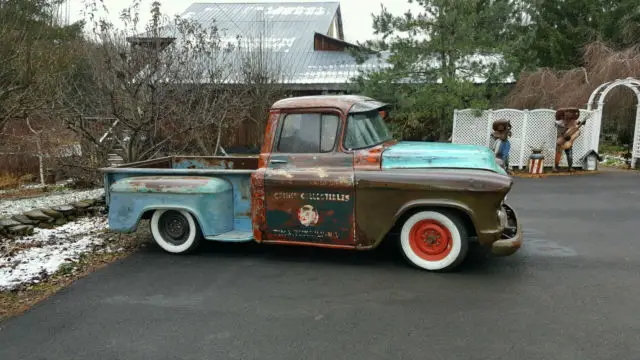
(308, 133)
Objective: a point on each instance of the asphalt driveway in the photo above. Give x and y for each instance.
(571, 293)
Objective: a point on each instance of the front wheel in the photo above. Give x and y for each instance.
(434, 241)
(175, 231)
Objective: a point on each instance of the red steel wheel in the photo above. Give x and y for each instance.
(430, 240)
(433, 240)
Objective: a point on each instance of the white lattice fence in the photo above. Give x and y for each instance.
(531, 129)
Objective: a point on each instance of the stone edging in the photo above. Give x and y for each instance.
(49, 218)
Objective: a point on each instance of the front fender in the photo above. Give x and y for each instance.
(442, 203)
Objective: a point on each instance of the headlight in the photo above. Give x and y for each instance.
(502, 218)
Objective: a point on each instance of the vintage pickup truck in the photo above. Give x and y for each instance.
(329, 174)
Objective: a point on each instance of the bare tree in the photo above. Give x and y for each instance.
(19, 34)
(549, 88)
(263, 74)
(33, 52)
(176, 87)
(160, 86)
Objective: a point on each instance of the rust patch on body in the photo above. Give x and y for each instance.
(158, 184)
(269, 136)
(258, 212)
(215, 162)
(299, 243)
(371, 159)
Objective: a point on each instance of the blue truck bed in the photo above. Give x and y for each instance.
(216, 190)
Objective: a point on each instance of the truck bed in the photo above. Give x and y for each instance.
(156, 175)
(197, 162)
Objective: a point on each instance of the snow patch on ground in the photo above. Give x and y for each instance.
(12, 207)
(49, 250)
(81, 226)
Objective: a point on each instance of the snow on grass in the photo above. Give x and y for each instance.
(12, 207)
(47, 250)
(57, 234)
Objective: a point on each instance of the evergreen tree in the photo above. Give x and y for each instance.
(560, 29)
(444, 57)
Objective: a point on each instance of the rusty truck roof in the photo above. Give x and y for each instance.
(342, 102)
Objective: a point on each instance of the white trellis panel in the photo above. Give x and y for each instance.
(530, 129)
(541, 135)
(471, 132)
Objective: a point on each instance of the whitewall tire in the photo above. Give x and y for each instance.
(434, 241)
(175, 231)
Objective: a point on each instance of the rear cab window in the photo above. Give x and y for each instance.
(308, 133)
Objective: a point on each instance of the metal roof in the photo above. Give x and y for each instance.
(286, 31)
(285, 34)
(287, 27)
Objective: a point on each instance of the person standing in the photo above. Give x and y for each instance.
(567, 131)
(501, 145)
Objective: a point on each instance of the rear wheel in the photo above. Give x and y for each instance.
(434, 240)
(175, 231)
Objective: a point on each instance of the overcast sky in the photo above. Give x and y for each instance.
(355, 16)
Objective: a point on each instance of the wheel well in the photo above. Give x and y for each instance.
(463, 216)
(147, 215)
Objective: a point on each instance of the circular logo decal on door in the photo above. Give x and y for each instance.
(308, 216)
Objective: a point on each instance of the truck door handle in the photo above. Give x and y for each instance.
(278, 161)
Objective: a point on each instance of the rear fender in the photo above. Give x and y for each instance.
(208, 199)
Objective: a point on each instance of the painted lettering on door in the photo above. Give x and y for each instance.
(311, 216)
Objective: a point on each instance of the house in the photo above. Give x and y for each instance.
(305, 40)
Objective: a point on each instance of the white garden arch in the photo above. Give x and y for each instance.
(596, 102)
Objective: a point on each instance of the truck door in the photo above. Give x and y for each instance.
(309, 186)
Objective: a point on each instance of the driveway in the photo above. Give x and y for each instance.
(571, 293)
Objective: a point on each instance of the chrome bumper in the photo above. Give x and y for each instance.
(511, 238)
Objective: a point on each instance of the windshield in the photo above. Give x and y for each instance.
(366, 130)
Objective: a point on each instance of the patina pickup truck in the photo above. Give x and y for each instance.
(329, 174)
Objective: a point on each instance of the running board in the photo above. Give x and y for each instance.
(233, 236)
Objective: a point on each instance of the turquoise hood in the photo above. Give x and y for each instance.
(414, 154)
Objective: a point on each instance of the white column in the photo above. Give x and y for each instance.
(596, 117)
(636, 138)
(453, 131)
(523, 138)
(595, 136)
